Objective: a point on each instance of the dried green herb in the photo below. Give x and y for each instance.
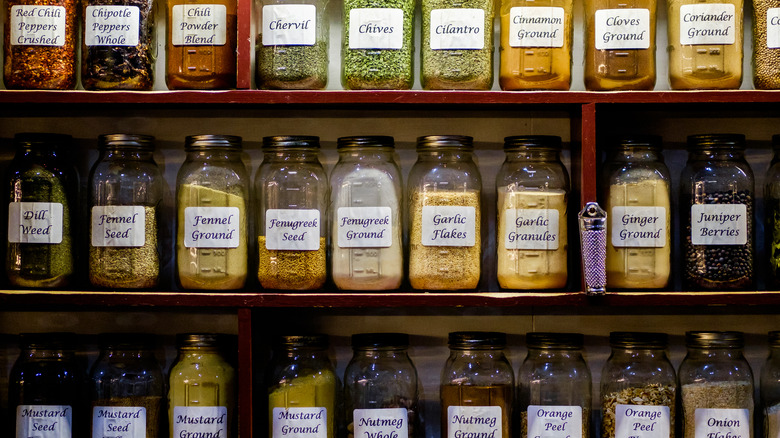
(292, 67)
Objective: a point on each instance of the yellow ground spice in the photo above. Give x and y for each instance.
(291, 270)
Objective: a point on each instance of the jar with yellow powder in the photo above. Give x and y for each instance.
(533, 192)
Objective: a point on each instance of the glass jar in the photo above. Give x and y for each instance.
(772, 214)
(118, 46)
(302, 383)
(202, 388)
(41, 195)
(638, 387)
(127, 387)
(477, 386)
(380, 387)
(536, 42)
(201, 44)
(770, 387)
(457, 44)
(554, 387)
(620, 45)
(637, 191)
(766, 56)
(533, 193)
(445, 239)
(125, 190)
(378, 45)
(291, 49)
(292, 199)
(716, 198)
(46, 388)
(212, 194)
(705, 53)
(367, 249)
(36, 58)
(716, 385)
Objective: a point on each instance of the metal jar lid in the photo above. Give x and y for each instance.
(717, 140)
(466, 340)
(135, 141)
(366, 141)
(714, 339)
(206, 141)
(197, 340)
(48, 341)
(380, 340)
(638, 340)
(774, 338)
(302, 341)
(445, 141)
(532, 141)
(36, 139)
(565, 341)
(628, 141)
(291, 141)
(126, 341)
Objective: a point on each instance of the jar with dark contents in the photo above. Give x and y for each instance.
(770, 387)
(772, 215)
(380, 387)
(716, 198)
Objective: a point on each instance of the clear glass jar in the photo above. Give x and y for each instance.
(716, 198)
(292, 201)
(770, 387)
(380, 387)
(477, 386)
(638, 387)
(212, 198)
(445, 242)
(533, 193)
(301, 380)
(378, 44)
(127, 387)
(554, 387)
(46, 389)
(716, 385)
(125, 191)
(536, 42)
(620, 45)
(366, 212)
(766, 50)
(291, 49)
(202, 388)
(637, 194)
(705, 54)
(772, 215)
(42, 187)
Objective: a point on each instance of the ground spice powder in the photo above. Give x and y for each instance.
(714, 395)
(291, 270)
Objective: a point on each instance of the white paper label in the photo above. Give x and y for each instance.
(477, 421)
(293, 230)
(300, 423)
(457, 29)
(536, 27)
(289, 25)
(722, 423)
(111, 25)
(211, 227)
(43, 421)
(531, 228)
(37, 25)
(638, 227)
(632, 421)
(381, 423)
(199, 25)
(376, 28)
(555, 421)
(118, 422)
(773, 28)
(365, 227)
(622, 29)
(723, 224)
(710, 23)
(118, 225)
(448, 226)
(35, 222)
(211, 421)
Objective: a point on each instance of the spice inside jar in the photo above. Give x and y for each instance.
(766, 45)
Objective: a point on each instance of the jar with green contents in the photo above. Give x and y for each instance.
(302, 387)
(772, 213)
(41, 198)
(212, 195)
(770, 387)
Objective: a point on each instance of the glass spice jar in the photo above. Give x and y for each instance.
(292, 201)
(127, 387)
(380, 387)
(716, 386)
(41, 200)
(533, 192)
(367, 249)
(302, 387)
(620, 45)
(766, 44)
(202, 388)
(125, 191)
(716, 198)
(477, 385)
(638, 387)
(772, 215)
(445, 241)
(637, 191)
(212, 197)
(770, 387)
(554, 387)
(291, 50)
